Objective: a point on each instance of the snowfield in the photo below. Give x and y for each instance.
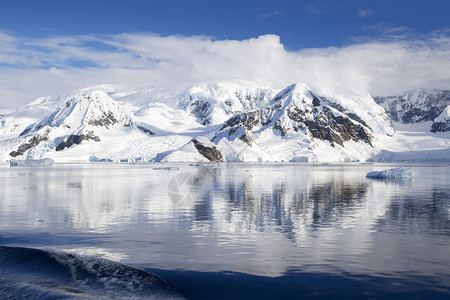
(414, 143)
(236, 121)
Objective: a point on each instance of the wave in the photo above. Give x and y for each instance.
(27, 273)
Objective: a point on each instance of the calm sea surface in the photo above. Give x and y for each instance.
(241, 231)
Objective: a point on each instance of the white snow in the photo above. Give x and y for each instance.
(394, 173)
(414, 143)
(187, 153)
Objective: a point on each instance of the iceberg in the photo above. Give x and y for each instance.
(31, 162)
(394, 173)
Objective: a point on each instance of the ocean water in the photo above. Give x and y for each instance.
(223, 231)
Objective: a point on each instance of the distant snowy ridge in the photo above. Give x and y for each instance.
(214, 121)
(415, 106)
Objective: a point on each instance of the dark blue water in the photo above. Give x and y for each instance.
(236, 231)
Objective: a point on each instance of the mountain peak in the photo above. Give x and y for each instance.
(297, 94)
(95, 108)
(298, 86)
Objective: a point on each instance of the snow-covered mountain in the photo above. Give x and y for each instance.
(415, 106)
(72, 123)
(214, 121)
(304, 124)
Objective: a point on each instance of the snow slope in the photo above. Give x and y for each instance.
(415, 143)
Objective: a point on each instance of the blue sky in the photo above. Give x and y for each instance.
(300, 24)
(354, 47)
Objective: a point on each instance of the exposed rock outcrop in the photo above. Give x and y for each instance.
(77, 139)
(240, 126)
(298, 109)
(440, 126)
(32, 142)
(210, 152)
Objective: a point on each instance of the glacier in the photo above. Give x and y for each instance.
(228, 121)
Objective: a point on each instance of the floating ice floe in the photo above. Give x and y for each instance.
(394, 173)
(31, 162)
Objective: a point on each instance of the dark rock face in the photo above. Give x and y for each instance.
(33, 142)
(278, 126)
(106, 119)
(440, 126)
(240, 125)
(201, 110)
(327, 127)
(211, 153)
(77, 139)
(316, 101)
(145, 130)
(248, 120)
(337, 129)
(321, 118)
(421, 107)
(357, 119)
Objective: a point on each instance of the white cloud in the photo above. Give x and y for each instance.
(37, 67)
(270, 14)
(362, 13)
(314, 9)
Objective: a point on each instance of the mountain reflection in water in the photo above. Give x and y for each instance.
(260, 220)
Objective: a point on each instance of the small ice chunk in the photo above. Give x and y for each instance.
(31, 162)
(393, 173)
(166, 168)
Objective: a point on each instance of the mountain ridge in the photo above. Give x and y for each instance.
(415, 106)
(226, 121)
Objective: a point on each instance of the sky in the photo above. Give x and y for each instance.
(49, 47)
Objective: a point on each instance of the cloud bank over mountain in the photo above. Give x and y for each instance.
(33, 67)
